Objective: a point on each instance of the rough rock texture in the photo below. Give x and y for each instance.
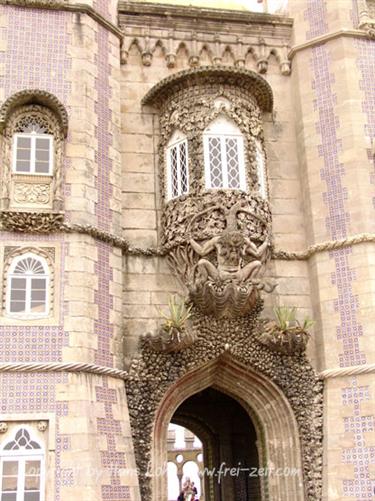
(152, 373)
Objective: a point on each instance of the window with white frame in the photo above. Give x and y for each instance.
(261, 170)
(224, 155)
(27, 291)
(177, 166)
(33, 151)
(22, 468)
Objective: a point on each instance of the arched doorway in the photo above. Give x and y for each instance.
(230, 470)
(274, 423)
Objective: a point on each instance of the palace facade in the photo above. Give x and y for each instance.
(184, 187)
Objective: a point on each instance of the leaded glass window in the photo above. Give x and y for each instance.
(177, 166)
(224, 156)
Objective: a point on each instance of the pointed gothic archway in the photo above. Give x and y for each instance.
(269, 410)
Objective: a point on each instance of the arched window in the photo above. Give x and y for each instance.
(261, 170)
(22, 468)
(224, 155)
(33, 150)
(27, 292)
(33, 127)
(177, 166)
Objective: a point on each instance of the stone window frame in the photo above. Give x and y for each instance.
(222, 128)
(178, 139)
(21, 456)
(36, 192)
(28, 288)
(13, 254)
(220, 103)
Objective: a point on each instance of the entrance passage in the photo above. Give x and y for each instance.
(230, 456)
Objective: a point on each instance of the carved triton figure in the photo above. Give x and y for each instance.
(231, 249)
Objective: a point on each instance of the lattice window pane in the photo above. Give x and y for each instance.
(174, 171)
(183, 169)
(215, 160)
(233, 164)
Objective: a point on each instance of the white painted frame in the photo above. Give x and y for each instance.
(261, 170)
(223, 129)
(28, 314)
(21, 456)
(176, 140)
(33, 136)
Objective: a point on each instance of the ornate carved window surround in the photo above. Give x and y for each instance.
(191, 100)
(34, 117)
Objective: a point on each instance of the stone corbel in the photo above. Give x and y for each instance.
(171, 55)
(194, 57)
(124, 53)
(262, 61)
(147, 53)
(285, 64)
(217, 53)
(240, 60)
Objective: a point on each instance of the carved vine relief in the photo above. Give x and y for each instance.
(218, 241)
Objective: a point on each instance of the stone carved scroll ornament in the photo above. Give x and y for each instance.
(224, 273)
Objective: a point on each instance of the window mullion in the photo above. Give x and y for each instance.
(33, 154)
(178, 168)
(21, 479)
(51, 152)
(223, 150)
(28, 295)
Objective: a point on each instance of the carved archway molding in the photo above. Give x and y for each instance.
(274, 422)
(34, 96)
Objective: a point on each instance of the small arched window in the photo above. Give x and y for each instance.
(177, 166)
(224, 155)
(27, 293)
(22, 468)
(33, 150)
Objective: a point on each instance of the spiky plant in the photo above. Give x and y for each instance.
(177, 315)
(286, 319)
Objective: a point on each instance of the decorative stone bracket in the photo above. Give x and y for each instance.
(201, 52)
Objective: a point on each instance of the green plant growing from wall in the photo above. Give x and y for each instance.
(177, 315)
(173, 335)
(286, 334)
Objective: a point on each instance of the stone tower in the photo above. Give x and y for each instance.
(217, 159)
